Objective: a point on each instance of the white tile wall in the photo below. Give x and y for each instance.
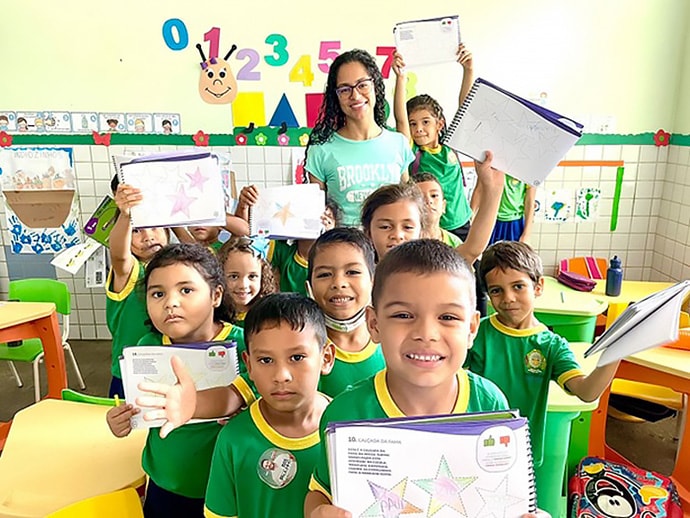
(651, 237)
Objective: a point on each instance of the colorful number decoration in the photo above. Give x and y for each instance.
(386, 67)
(247, 72)
(301, 71)
(173, 42)
(213, 38)
(280, 54)
(328, 51)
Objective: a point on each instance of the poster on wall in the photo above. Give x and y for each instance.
(555, 205)
(41, 212)
(587, 204)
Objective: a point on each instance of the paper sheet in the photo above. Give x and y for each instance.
(428, 42)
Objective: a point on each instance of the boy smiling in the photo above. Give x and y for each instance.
(423, 315)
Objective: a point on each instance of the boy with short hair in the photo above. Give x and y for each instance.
(264, 456)
(340, 276)
(423, 314)
(519, 353)
(436, 207)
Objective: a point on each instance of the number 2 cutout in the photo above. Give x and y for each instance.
(247, 73)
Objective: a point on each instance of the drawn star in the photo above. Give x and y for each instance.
(445, 489)
(198, 179)
(283, 213)
(389, 503)
(496, 502)
(181, 201)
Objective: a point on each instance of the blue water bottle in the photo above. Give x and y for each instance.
(614, 277)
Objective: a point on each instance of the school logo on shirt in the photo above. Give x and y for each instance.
(276, 467)
(535, 362)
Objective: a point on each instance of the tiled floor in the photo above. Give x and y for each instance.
(650, 445)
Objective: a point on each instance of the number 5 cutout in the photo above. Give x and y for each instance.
(328, 51)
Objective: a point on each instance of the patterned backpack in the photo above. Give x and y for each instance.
(604, 489)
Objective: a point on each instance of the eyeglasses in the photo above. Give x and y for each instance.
(363, 86)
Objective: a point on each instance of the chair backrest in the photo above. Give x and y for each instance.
(42, 290)
(124, 503)
(73, 395)
(590, 267)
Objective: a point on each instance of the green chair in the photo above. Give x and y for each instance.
(31, 350)
(73, 395)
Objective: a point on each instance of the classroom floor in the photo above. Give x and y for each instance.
(649, 445)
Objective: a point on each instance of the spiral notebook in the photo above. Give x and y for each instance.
(527, 140)
(451, 465)
(645, 324)
(179, 188)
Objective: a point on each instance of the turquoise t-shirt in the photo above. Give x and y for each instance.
(352, 169)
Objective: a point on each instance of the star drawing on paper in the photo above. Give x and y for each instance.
(389, 503)
(445, 489)
(198, 179)
(496, 501)
(283, 213)
(181, 201)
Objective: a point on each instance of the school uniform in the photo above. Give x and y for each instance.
(522, 362)
(126, 317)
(442, 162)
(258, 473)
(350, 368)
(290, 264)
(180, 463)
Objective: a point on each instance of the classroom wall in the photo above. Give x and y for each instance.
(592, 58)
(595, 60)
(682, 119)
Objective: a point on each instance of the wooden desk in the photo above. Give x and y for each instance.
(631, 291)
(661, 366)
(21, 320)
(60, 452)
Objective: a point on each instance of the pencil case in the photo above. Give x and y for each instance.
(575, 281)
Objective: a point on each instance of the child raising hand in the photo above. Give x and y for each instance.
(421, 120)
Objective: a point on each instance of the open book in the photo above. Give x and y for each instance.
(645, 324)
(211, 364)
(527, 140)
(178, 188)
(427, 42)
(453, 465)
(288, 212)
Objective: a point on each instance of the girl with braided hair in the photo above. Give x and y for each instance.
(351, 152)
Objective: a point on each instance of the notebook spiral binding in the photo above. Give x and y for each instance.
(532, 476)
(461, 112)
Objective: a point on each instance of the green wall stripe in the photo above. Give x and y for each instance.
(270, 135)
